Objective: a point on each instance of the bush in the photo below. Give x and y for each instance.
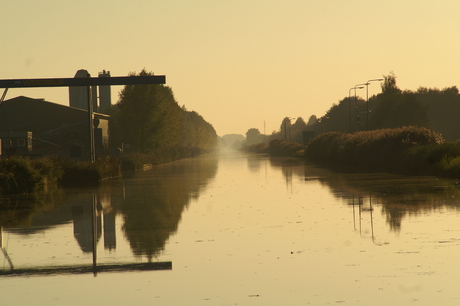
(283, 148)
(377, 150)
(257, 148)
(49, 168)
(17, 175)
(436, 159)
(77, 172)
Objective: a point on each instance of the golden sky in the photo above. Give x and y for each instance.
(238, 63)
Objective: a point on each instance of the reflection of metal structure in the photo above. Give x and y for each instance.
(364, 209)
(7, 257)
(149, 266)
(80, 269)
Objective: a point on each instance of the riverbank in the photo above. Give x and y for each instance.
(23, 175)
(406, 150)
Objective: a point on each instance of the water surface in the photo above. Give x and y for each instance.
(233, 229)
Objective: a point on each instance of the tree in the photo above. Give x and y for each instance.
(297, 130)
(148, 117)
(395, 108)
(253, 136)
(389, 85)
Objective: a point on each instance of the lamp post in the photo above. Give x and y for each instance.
(349, 100)
(367, 100)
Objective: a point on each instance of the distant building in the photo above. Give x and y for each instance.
(54, 129)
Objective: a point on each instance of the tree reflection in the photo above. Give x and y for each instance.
(397, 196)
(20, 209)
(152, 207)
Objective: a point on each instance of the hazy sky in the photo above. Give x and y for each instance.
(238, 63)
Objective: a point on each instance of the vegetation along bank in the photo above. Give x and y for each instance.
(407, 150)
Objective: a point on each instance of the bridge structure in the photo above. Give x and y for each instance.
(87, 82)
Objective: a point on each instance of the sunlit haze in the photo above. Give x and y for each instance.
(239, 63)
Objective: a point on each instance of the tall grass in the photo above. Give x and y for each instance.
(379, 150)
(79, 172)
(17, 175)
(437, 159)
(23, 175)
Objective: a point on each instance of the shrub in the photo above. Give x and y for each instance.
(49, 168)
(257, 148)
(17, 175)
(77, 172)
(371, 150)
(283, 148)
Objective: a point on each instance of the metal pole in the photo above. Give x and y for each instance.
(349, 99)
(92, 152)
(367, 105)
(367, 100)
(94, 227)
(349, 106)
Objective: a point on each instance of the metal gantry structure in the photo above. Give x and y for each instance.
(82, 82)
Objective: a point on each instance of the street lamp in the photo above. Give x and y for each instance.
(349, 99)
(367, 99)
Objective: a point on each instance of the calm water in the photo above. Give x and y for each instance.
(236, 230)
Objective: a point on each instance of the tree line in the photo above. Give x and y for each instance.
(288, 131)
(432, 108)
(148, 118)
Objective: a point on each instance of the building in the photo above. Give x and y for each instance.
(105, 96)
(100, 95)
(78, 95)
(54, 129)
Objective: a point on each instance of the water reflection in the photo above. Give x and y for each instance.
(149, 206)
(396, 196)
(152, 214)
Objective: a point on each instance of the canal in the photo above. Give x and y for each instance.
(235, 229)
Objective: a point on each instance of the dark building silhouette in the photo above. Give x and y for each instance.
(55, 129)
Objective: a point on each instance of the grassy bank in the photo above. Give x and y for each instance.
(23, 175)
(408, 150)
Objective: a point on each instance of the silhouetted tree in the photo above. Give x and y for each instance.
(443, 108)
(395, 108)
(149, 118)
(253, 136)
(297, 130)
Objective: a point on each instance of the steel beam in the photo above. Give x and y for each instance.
(69, 82)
